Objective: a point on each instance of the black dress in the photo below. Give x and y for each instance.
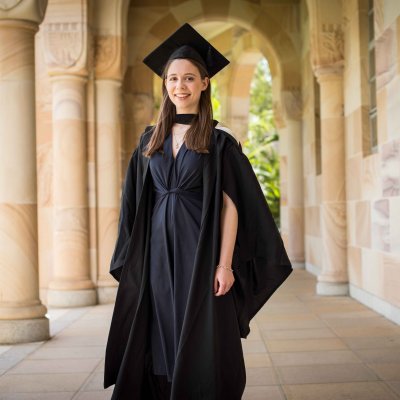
(175, 228)
(209, 363)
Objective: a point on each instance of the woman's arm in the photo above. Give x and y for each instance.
(224, 278)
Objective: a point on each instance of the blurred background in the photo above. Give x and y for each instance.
(312, 93)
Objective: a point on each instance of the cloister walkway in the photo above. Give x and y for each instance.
(302, 347)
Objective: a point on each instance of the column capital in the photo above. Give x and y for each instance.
(329, 72)
(326, 33)
(109, 57)
(66, 39)
(291, 103)
(26, 10)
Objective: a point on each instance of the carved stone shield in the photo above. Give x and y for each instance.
(6, 5)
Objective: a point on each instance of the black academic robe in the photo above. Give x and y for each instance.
(209, 363)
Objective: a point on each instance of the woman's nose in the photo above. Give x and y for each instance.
(181, 83)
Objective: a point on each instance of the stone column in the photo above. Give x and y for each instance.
(22, 316)
(108, 176)
(109, 70)
(71, 285)
(291, 147)
(327, 59)
(295, 199)
(66, 41)
(333, 279)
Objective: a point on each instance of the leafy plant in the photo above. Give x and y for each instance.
(215, 100)
(265, 162)
(260, 146)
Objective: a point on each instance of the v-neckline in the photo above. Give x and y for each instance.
(172, 148)
(179, 150)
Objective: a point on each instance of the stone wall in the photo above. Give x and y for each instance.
(312, 177)
(373, 178)
(340, 196)
(372, 175)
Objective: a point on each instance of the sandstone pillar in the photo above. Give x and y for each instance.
(333, 278)
(288, 117)
(295, 199)
(109, 71)
(108, 174)
(327, 59)
(67, 40)
(71, 286)
(22, 316)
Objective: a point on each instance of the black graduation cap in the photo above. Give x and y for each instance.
(186, 42)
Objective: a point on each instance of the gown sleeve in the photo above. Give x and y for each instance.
(126, 218)
(131, 192)
(260, 261)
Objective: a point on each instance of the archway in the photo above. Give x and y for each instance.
(258, 27)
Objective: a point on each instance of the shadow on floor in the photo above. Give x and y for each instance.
(301, 347)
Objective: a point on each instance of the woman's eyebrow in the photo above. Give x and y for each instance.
(187, 73)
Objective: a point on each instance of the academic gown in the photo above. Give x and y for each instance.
(209, 361)
(175, 228)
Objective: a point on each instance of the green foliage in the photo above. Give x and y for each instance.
(265, 162)
(215, 100)
(260, 147)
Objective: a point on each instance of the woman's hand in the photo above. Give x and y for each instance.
(224, 278)
(223, 281)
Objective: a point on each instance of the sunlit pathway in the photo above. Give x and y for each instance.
(302, 347)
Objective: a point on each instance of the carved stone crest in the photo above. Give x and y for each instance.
(6, 5)
(333, 42)
(108, 56)
(65, 44)
(292, 103)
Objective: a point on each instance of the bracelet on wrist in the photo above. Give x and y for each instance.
(224, 267)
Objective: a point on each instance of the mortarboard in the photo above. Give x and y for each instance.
(186, 42)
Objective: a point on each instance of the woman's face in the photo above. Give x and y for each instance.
(184, 86)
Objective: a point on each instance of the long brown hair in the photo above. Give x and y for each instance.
(198, 135)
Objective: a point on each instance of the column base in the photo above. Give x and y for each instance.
(24, 330)
(107, 295)
(332, 289)
(298, 265)
(71, 298)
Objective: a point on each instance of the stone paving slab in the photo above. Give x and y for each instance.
(38, 396)
(314, 358)
(338, 391)
(301, 347)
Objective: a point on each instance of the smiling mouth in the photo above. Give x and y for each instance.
(182, 96)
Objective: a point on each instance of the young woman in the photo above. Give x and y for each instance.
(198, 252)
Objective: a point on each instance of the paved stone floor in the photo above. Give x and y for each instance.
(302, 347)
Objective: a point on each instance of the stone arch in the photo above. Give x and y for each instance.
(275, 44)
(239, 100)
(277, 36)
